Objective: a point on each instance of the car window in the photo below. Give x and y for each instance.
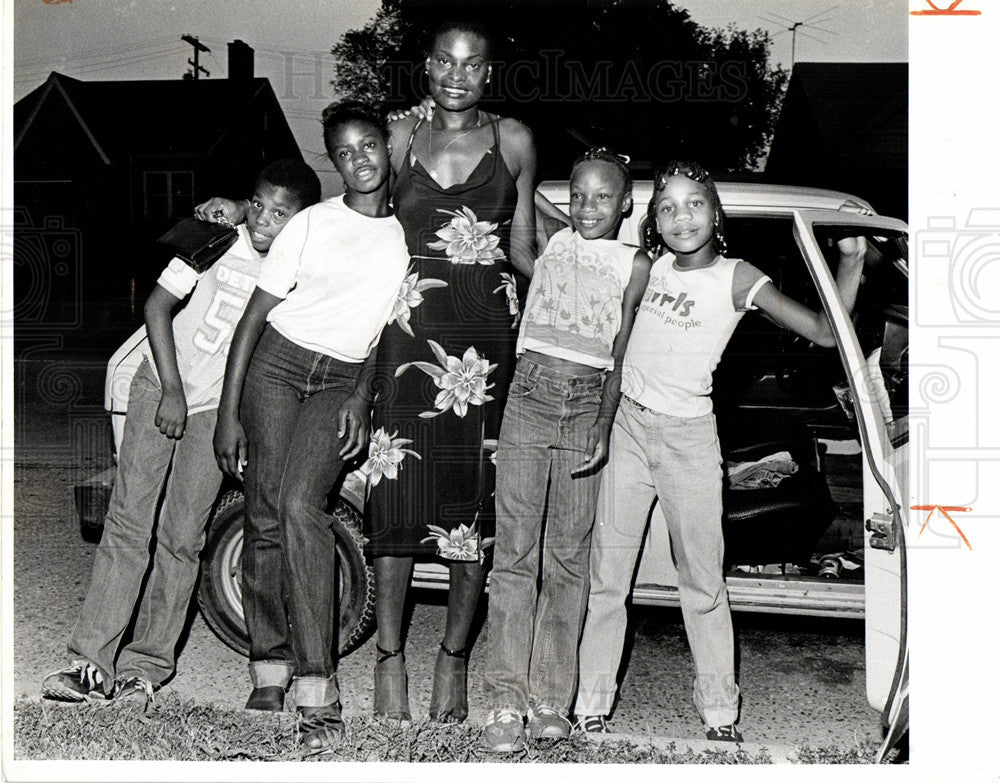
(766, 367)
(881, 315)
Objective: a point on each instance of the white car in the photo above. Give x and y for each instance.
(815, 441)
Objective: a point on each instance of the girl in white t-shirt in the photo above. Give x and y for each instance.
(664, 442)
(297, 380)
(584, 291)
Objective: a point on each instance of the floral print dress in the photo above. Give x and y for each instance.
(445, 361)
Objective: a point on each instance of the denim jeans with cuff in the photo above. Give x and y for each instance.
(544, 519)
(290, 411)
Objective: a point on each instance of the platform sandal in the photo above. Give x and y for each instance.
(392, 702)
(449, 696)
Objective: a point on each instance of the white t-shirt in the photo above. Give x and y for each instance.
(574, 307)
(683, 325)
(204, 328)
(338, 272)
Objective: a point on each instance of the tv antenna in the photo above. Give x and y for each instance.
(796, 27)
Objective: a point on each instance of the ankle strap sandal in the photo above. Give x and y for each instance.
(385, 655)
(390, 698)
(449, 695)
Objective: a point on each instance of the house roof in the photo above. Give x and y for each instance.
(850, 115)
(167, 117)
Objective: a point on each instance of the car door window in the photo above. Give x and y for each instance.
(880, 316)
(766, 367)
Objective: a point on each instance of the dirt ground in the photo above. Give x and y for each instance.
(802, 680)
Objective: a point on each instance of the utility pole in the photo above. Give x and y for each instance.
(198, 48)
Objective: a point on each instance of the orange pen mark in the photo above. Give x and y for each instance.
(944, 511)
(951, 10)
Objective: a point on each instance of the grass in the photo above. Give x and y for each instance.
(176, 730)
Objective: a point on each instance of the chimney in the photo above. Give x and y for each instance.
(240, 60)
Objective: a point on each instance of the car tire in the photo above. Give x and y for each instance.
(220, 596)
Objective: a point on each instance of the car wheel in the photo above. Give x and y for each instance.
(220, 596)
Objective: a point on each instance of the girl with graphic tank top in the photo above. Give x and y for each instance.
(664, 443)
(585, 288)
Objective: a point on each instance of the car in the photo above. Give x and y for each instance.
(815, 442)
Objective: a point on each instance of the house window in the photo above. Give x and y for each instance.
(167, 194)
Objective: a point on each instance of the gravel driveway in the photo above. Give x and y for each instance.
(802, 681)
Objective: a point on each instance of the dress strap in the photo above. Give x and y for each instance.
(409, 144)
(496, 142)
(496, 131)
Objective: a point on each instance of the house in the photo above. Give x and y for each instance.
(844, 126)
(109, 165)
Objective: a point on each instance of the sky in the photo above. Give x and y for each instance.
(129, 39)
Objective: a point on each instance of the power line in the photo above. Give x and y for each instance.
(90, 54)
(124, 57)
(97, 67)
(796, 27)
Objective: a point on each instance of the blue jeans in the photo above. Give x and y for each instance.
(533, 635)
(290, 408)
(149, 463)
(678, 461)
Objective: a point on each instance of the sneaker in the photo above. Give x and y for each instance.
(592, 724)
(133, 689)
(724, 733)
(80, 681)
(504, 730)
(546, 723)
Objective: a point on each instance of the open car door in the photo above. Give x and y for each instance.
(877, 385)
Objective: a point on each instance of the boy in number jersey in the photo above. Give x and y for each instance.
(167, 451)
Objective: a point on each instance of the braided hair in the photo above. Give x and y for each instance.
(651, 239)
(606, 155)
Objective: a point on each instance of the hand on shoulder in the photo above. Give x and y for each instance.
(399, 137)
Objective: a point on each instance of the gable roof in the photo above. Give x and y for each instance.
(173, 117)
(854, 115)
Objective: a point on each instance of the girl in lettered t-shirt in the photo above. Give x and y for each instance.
(664, 442)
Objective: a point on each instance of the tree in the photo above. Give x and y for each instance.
(635, 75)
(363, 56)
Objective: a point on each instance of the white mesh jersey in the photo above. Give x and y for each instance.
(684, 322)
(204, 328)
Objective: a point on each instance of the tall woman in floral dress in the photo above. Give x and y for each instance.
(464, 194)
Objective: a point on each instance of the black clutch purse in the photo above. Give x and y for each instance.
(199, 243)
